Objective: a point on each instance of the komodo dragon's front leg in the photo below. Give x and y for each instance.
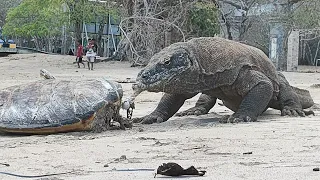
(253, 104)
(203, 106)
(167, 107)
(255, 91)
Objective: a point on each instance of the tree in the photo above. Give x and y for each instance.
(203, 19)
(4, 8)
(150, 25)
(40, 20)
(235, 17)
(45, 21)
(103, 11)
(85, 11)
(304, 15)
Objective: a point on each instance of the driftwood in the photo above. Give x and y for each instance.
(128, 80)
(46, 74)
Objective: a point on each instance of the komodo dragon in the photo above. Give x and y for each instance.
(241, 76)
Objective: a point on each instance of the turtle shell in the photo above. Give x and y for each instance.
(50, 106)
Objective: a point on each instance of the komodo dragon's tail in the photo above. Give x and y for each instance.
(304, 97)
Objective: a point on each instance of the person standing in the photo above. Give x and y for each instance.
(80, 54)
(90, 55)
(94, 45)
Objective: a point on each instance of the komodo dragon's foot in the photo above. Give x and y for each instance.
(289, 111)
(237, 118)
(193, 111)
(148, 119)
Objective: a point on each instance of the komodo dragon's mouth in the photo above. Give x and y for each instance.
(156, 81)
(139, 87)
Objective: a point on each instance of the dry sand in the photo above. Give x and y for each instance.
(283, 148)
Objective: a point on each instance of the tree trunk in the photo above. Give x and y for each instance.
(130, 7)
(77, 31)
(99, 39)
(36, 43)
(228, 26)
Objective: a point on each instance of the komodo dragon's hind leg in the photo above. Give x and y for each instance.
(203, 106)
(253, 104)
(291, 100)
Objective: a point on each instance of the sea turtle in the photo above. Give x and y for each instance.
(53, 106)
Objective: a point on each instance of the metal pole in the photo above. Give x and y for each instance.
(108, 36)
(114, 44)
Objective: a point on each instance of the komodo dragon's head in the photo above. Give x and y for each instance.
(167, 70)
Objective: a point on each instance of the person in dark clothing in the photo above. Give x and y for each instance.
(70, 52)
(79, 54)
(94, 47)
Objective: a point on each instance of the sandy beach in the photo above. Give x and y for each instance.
(283, 148)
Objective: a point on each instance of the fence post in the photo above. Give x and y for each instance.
(293, 51)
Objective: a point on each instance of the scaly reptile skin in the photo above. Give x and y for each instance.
(240, 75)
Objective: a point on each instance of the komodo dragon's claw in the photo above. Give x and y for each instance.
(236, 119)
(295, 112)
(149, 119)
(193, 111)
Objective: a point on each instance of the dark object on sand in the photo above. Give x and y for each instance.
(174, 169)
(247, 153)
(316, 169)
(5, 164)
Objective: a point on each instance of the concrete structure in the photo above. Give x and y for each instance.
(293, 51)
(274, 10)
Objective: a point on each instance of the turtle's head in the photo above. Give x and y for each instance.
(163, 68)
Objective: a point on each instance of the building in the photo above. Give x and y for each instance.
(272, 11)
(111, 35)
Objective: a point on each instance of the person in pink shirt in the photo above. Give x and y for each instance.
(79, 54)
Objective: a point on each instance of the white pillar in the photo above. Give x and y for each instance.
(293, 51)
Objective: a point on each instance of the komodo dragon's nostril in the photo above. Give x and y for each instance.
(144, 75)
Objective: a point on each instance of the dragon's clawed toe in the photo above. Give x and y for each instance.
(287, 111)
(149, 119)
(236, 119)
(193, 111)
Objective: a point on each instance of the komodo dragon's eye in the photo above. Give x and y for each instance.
(167, 61)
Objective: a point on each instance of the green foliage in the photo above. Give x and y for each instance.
(4, 7)
(35, 18)
(43, 18)
(103, 10)
(306, 15)
(203, 19)
(88, 11)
